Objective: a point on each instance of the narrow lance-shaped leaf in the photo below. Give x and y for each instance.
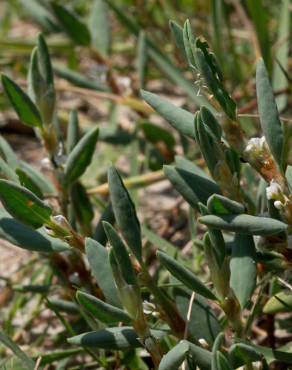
(281, 302)
(26, 181)
(107, 215)
(26, 361)
(125, 213)
(185, 275)
(24, 107)
(203, 321)
(100, 27)
(201, 357)
(101, 310)
(280, 81)
(26, 238)
(120, 253)
(46, 95)
(38, 12)
(216, 347)
(218, 204)
(177, 32)
(244, 224)
(268, 112)
(175, 357)
(7, 172)
(179, 118)
(243, 271)
(142, 58)
(78, 79)
(72, 131)
(189, 43)
(117, 338)
(24, 205)
(221, 362)
(80, 157)
(241, 353)
(38, 178)
(97, 256)
(192, 187)
(72, 25)
(7, 153)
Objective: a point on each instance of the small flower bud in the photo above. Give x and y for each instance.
(279, 205)
(274, 191)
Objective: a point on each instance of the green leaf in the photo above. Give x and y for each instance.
(7, 172)
(28, 183)
(243, 271)
(216, 348)
(189, 44)
(38, 178)
(158, 241)
(25, 237)
(157, 134)
(193, 188)
(80, 157)
(7, 153)
(97, 256)
(39, 13)
(189, 166)
(177, 33)
(184, 275)
(78, 79)
(26, 361)
(24, 205)
(72, 131)
(71, 24)
(259, 17)
(268, 112)
(210, 145)
(142, 58)
(210, 121)
(220, 205)
(100, 27)
(107, 215)
(24, 107)
(121, 254)
(241, 353)
(201, 357)
(50, 357)
(281, 302)
(125, 213)
(62, 305)
(221, 362)
(180, 119)
(272, 355)
(118, 338)
(244, 224)
(102, 311)
(41, 81)
(82, 207)
(203, 322)
(175, 357)
(211, 77)
(280, 81)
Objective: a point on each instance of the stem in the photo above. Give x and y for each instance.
(132, 182)
(165, 305)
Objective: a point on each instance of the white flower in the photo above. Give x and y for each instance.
(255, 144)
(274, 191)
(279, 205)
